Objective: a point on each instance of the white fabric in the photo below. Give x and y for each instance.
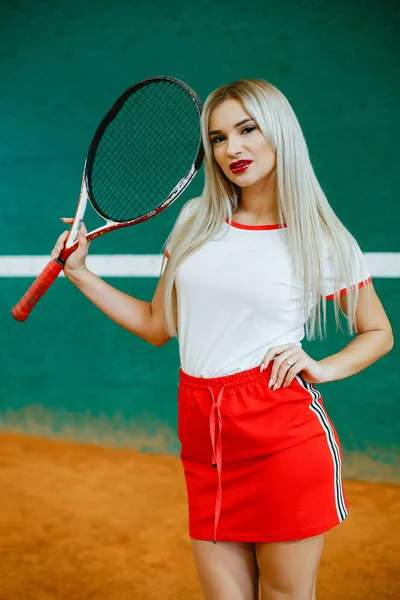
(237, 297)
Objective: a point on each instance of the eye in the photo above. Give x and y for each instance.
(249, 129)
(217, 139)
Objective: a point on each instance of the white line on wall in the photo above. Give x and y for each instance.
(104, 265)
(380, 264)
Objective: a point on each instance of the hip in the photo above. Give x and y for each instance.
(249, 417)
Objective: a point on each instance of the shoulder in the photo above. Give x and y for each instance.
(334, 247)
(188, 209)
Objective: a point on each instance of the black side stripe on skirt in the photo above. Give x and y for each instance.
(333, 447)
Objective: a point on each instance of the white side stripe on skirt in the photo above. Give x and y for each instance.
(316, 407)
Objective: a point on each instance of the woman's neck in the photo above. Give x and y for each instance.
(257, 207)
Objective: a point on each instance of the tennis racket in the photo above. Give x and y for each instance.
(144, 154)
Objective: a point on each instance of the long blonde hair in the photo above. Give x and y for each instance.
(302, 205)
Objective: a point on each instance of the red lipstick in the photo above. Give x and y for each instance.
(240, 166)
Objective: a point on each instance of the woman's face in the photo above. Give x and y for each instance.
(239, 147)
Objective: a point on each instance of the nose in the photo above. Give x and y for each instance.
(234, 147)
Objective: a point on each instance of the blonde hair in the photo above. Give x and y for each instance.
(311, 223)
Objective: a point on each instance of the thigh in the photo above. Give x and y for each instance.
(227, 570)
(288, 570)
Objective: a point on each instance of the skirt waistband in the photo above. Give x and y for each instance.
(226, 381)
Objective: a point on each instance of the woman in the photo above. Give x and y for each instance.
(250, 266)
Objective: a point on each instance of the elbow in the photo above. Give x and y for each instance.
(159, 341)
(390, 341)
(158, 338)
(156, 333)
(387, 341)
(155, 338)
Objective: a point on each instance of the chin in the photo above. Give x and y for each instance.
(240, 180)
(243, 182)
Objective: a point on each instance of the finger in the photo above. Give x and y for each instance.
(266, 360)
(83, 243)
(293, 372)
(82, 236)
(83, 228)
(67, 219)
(298, 364)
(286, 374)
(63, 237)
(283, 371)
(60, 243)
(278, 362)
(277, 366)
(272, 352)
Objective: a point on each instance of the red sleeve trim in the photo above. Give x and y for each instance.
(344, 291)
(167, 254)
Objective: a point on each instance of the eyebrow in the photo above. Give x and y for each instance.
(237, 125)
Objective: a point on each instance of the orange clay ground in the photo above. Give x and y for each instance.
(84, 522)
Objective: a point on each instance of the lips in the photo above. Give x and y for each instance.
(240, 166)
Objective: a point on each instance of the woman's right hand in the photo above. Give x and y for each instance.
(77, 260)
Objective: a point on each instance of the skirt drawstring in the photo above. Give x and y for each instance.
(215, 432)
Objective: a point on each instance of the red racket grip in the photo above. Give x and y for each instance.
(39, 287)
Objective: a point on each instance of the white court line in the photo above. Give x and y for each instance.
(380, 264)
(104, 265)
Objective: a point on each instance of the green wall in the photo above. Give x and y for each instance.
(68, 370)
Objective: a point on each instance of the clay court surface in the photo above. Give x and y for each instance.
(86, 522)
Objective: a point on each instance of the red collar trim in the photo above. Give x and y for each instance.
(257, 227)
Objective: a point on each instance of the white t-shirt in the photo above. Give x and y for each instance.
(237, 297)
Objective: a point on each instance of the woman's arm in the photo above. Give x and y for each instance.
(374, 338)
(144, 319)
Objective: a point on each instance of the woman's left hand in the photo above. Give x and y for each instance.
(290, 360)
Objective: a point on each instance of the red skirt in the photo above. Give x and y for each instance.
(260, 466)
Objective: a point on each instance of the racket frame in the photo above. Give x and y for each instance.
(50, 273)
(86, 192)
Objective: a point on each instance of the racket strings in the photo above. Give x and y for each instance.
(146, 151)
(174, 141)
(132, 180)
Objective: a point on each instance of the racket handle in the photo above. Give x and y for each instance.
(39, 287)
